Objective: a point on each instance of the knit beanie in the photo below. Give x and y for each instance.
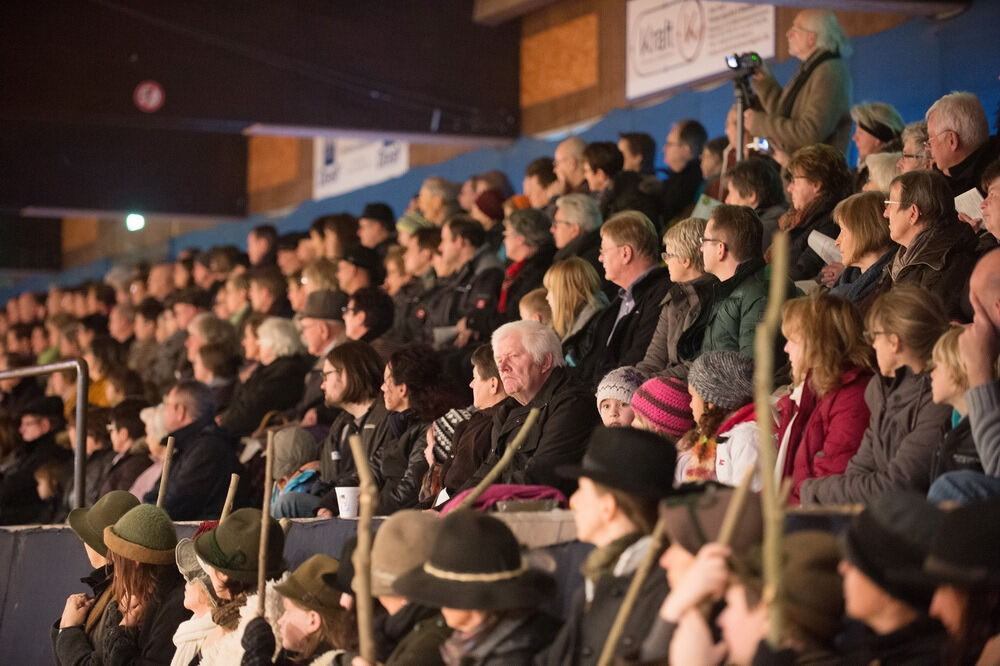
(444, 433)
(411, 222)
(403, 542)
(144, 534)
(723, 378)
(490, 203)
(665, 403)
(620, 384)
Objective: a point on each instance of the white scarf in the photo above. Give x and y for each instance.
(189, 637)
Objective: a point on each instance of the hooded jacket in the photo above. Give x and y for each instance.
(738, 306)
(897, 448)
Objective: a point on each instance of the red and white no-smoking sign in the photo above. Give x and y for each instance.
(149, 96)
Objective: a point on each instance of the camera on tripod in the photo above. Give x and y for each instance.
(744, 64)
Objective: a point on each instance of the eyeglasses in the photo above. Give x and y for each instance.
(798, 28)
(711, 240)
(914, 156)
(890, 202)
(666, 256)
(335, 371)
(871, 335)
(927, 143)
(347, 309)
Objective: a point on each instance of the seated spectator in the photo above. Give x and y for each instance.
(730, 253)
(295, 291)
(529, 247)
(312, 625)
(320, 275)
(40, 421)
(493, 622)
(473, 282)
(540, 182)
(207, 329)
(352, 374)
(534, 306)
(685, 308)
(251, 345)
(340, 231)
(533, 374)
(268, 292)
(723, 444)
(217, 367)
(357, 268)
(959, 141)
(819, 179)
(576, 229)
(407, 226)
(287, 258)
(237, 295)
(144, 348)
(613, 189)
(98, 453)
(277, 384)
(711, 167)
(377, 228)
(877, 130)
(296, 472)
(128, 442)
(630, 256)
(262, 243)
(822, 420)
(368, 317)
(614, 396)
(915, 155)
(881, 169)
(437, 200)
(991, 204)
(103, 356)
(663, 405)
(567, 164)
(814, 105)
(322, 323)
(614, 508)
(204, 456)
(949, 383)
(681, 154)
(171, 333)
(865, 247)
(121, 322)
(638, 152)
(410, 312)
(897, 449)
(937, 251)
(396, 276)
(52, 481)
(16, 393)
(122, 383)
(573, 292)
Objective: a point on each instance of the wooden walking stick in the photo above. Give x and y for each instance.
(165, 472)
(504, 461)
(234, 481)
(362, 557)
(773, 512)
(265, 524)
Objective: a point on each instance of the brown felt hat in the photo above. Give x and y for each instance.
(144, 534)
(305, 585)
(403, 542)
(694, 517)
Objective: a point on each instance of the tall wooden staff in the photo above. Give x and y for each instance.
(168, 457)
(234, 481)
(504, 461)
(265, 524)
(362, 558)
(773, 511)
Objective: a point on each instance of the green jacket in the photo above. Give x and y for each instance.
(422, 644)
(737, 308)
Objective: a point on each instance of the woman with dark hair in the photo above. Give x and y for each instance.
(415, 393)
(819, 178)
(102, 357)
(147, 592)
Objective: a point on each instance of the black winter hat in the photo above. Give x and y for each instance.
(381, 213)
(634, 461)
(476, 564)
(964, 548)
(362, 257)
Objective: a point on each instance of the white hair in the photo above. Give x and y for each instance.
(829, 35)
(581, 210)
(917, 130)
(882, 169)
(281, 336)
(962, 113)
(537, 340)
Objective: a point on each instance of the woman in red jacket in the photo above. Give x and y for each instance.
(823, 419)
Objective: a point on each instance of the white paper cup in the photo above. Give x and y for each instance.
(347, 501)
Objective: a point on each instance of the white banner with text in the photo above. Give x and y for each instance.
(344, 165)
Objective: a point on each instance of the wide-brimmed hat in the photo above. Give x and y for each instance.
(476, 564)
(637, 462)
(144, 534)
(889, 542)
(694, 516)
(306, 586)
(341, 579)
(402, 543)
(88, 522)
(964, 548)
(234, 546)
(325, 304)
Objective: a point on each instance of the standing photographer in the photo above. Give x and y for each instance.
(815, 105)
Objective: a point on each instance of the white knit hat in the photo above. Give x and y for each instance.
(620, 384)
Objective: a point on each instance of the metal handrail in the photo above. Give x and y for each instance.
(82, 386)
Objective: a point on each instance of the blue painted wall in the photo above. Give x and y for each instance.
(909, 66)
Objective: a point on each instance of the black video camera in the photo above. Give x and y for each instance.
(744, 63)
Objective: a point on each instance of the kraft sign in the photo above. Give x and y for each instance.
(675, 42)
(344, 165)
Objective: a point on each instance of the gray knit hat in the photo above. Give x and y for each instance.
(723, 378)
(620, 384)
(293, 448)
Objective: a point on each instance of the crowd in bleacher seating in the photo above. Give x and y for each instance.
(623, 307)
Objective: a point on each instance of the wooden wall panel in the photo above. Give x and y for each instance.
(559, 61)
(78, 232)
(279, 172)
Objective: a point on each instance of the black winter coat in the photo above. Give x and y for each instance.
(514, 641)
(473, 288)
(204, 459)
(400, 467)
(276, 386)
(486, 321)
(98, 581)
(803, 262)
(956, 451)
(412, 636)
(917, 644)
(336, 461)
(19, 501)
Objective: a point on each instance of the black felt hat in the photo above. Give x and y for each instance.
(475, 564)
(964, 549)
(325, 304)
(637, 462)
(380, 212)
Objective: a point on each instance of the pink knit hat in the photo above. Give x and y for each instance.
(665, 403)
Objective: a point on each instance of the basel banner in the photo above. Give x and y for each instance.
(343, 165)
(676, 42)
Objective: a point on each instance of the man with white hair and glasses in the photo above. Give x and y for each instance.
(959, 141)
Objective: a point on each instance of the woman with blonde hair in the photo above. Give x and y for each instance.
(897, 448)
(865, 246)
(822, 421)
(575, 296)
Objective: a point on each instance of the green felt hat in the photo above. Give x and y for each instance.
(305, 585)
(233, 547)
(89, 521)
(144, 534)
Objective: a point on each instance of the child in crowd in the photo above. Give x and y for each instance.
(534, 306)
(723, 444)
(199, 598)
(614, 396)
(949, 382)
(296, 472)
(50, 480)
(663, 405)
